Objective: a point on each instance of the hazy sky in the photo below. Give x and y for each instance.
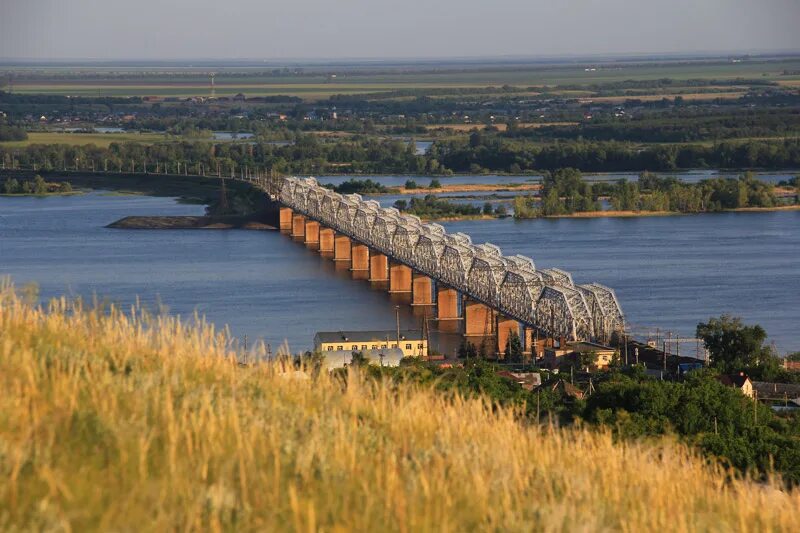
(277, 29)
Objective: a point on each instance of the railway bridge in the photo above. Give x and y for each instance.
(491, 293)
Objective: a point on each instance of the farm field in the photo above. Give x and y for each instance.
(186, 82)
(83, 139)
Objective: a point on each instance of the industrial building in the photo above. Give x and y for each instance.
(412, 343)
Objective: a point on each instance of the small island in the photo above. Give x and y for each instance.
(566, 194)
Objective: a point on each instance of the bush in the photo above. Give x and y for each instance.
(11, 186)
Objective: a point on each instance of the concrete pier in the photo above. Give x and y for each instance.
(359, 257)
(478, 319)
(447, 304)
(326, 239)
(342, 248)
(421, 290)
(378, 267)
(285, 219)
(312, 233)
(399, 278)
(298, 226)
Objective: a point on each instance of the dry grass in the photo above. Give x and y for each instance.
(109, 422)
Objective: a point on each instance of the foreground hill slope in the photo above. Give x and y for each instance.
(109, 422)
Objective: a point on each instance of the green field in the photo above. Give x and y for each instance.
(185, 82)
(82, 139)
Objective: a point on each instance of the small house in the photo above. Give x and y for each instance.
(738, 381)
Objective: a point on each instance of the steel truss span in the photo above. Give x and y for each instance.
(545, 300)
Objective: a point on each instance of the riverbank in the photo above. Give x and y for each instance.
(190, 222)
(41, 195)
(464, 187)
(632, 214)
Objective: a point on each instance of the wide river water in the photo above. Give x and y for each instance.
(668, 272)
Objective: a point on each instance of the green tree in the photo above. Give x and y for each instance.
(524, 207)
(733, 346)
(411, 184)
(513, 348)
(359, 359)
(487, 208)
(39, 185)
(435, 184)
(11, 186)
(551, 204)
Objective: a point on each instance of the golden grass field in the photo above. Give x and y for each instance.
(112, 422)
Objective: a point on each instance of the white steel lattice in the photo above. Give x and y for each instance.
(546, 300)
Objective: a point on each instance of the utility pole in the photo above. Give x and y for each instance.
(397, 318)
(625, 340)
(755, 407)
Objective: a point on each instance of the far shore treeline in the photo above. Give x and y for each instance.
(478, 154)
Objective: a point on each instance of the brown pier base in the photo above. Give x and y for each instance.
(326, 237)
(378, 267)
(399, 278)
(285, 219)
(359, 257)
(447, 304)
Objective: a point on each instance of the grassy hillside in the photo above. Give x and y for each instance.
(113, 422)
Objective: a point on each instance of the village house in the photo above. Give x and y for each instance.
(777, 392)
(738, 381)
(576, 353)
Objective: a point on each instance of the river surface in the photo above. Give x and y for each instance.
(668, 272)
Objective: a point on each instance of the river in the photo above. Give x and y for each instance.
(668, 272)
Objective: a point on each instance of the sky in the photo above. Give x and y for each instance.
(345, 29)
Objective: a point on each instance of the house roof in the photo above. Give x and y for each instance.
(368, 336)
(767, 389)
(733, 380)
(585, 346)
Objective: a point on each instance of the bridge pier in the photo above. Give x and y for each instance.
(326, 239)
(505, 327)
(341, 248)
(298, 226)
(421, 289)
(359, 258)
(285, 219)
(312, 233)
(399, 278)
(478, 319)
(446, 303)
(378, 267)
